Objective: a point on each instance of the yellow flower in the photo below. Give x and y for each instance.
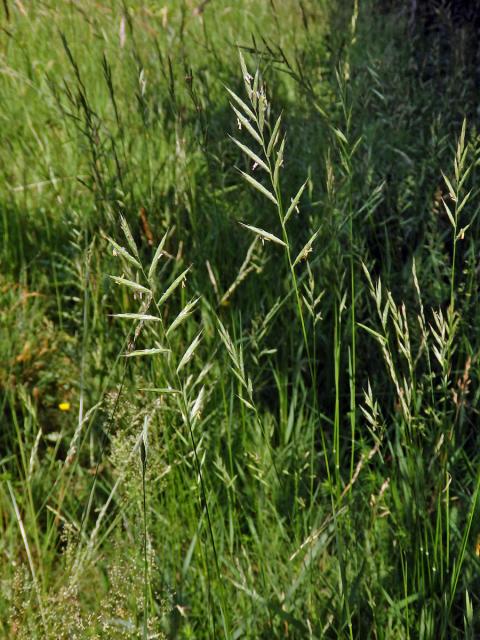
(477, 546)
(64, 406)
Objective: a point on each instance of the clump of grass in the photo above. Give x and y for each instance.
(216, 429)
(114, 609)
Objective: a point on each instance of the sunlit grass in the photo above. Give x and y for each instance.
(238, 324)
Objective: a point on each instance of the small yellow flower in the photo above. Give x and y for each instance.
(477, 546)
(64, 406)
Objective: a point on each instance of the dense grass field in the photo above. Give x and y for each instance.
(239, 322)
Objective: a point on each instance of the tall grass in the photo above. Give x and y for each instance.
(238, 337)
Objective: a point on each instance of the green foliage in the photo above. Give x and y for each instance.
(238, 324)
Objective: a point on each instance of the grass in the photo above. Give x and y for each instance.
(238, 323)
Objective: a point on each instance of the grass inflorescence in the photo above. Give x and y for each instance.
(238, 322)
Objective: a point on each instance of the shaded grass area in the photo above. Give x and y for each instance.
(298, 458)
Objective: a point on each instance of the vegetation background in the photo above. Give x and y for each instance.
(239, 320)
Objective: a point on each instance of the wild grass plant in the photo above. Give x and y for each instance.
(238, 337)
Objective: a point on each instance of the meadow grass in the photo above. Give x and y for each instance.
(238, 323)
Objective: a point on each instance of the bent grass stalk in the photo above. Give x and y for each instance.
(174, 368)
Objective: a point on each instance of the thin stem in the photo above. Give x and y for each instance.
(145, 558)
(173, 373)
